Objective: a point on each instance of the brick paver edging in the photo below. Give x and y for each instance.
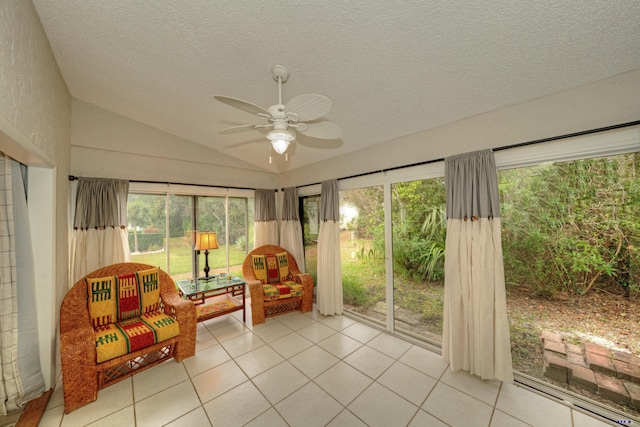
(615, 375)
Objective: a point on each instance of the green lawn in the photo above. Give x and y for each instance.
(181, 253)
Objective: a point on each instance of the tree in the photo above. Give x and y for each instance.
(180, 215)
(145, 211)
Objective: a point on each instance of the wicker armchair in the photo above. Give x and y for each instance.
(82, 376)
(261, 308)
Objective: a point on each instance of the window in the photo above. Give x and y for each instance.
(168, 240)
(147, 218)
(570, 233)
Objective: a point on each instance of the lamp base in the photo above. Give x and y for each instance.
(206, 266)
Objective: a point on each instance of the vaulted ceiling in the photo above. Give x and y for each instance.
(391, 69)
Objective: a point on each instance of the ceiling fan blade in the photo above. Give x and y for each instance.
(241, 143)
(241, 105)
(322, 130)
(309, 106)
(236, 129)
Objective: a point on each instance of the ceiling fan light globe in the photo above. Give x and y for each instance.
(280, 145)
(280, 139)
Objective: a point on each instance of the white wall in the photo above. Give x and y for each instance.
(139, 152)
(35, 128)
(605, 103)
(107, 145)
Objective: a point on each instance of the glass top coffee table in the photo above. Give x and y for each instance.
(215, 296)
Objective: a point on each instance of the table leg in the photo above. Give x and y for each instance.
(244, 304)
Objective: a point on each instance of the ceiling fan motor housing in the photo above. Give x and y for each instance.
(277, 111)
(278, 116)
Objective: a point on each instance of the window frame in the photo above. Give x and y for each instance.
(195, 191)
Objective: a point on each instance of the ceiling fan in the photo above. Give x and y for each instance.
(301, 113)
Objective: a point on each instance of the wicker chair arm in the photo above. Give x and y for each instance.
(79, 367)
(75, 325)
(250, 282)
(303, 278)
(182, 310)
(79, 344)
(255, 289)
(174, 305)
(306, 280)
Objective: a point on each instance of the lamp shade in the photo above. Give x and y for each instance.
(206, 240)
(280, 139)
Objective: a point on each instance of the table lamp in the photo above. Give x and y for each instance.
(204, 242)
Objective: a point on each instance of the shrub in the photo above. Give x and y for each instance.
(240, 244)
(420, 256)
(569, 226)
(354, 292)
(146, 242)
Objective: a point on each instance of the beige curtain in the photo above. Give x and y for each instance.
(265, 229)
(290, 228)
(329, 264)
(28, 352)
(476, 329)
(100, 226)
(20, 370)
(11, 392)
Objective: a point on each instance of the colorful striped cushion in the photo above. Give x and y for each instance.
(149, 289)
(102, 300)
(207, 309)
(265, 268)
(128, 301)
(116, 298)
(113, 298)
(283, 266)
(259, 267)
(282, 290)
(271, 268)
(117, 339)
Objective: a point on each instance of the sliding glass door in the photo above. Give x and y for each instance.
(310, 218)
(362, 248)
(419, 230)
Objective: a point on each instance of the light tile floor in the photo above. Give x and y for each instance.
(311, 370)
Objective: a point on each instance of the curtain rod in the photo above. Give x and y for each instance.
(506, 147)
(74, 178)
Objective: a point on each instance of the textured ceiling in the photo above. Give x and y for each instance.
(390, 68)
